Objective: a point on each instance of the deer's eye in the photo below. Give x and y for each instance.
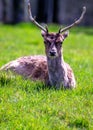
(58, 43)
(47, 42)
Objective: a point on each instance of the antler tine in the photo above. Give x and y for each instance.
(75, 23)
(33, 20)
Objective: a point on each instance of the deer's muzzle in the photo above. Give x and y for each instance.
(52, 53)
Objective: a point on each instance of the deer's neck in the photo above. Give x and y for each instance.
(54, 64)
(57, 71)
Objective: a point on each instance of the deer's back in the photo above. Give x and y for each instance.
(33, 67)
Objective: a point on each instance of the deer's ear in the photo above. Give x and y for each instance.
(66, 34)
(43, 33)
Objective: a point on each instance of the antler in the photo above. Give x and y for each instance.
(75, 23)
(33, 20)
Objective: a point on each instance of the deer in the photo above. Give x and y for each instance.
(50, 69)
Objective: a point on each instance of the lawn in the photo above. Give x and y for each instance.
(28, 105)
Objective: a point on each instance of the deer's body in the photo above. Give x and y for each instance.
(36, 68)
(50, 69)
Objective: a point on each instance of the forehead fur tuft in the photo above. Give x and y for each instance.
(54, 37)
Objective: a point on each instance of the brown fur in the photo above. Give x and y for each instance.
(33, 67)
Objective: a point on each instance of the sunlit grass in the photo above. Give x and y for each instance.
(30, 105)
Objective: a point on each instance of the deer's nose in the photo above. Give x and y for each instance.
(52, 53)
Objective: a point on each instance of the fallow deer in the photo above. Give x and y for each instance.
(51, 69)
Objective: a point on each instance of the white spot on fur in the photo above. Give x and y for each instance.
(14, 64)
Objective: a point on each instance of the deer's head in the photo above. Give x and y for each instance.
(53, 41)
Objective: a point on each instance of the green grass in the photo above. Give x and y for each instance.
(28, 105)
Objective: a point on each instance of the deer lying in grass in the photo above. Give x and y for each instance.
(51, 69)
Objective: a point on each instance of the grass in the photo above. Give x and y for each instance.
(28, 105)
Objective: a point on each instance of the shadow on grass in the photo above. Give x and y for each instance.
(5, 79)
(79, 123)
(8, 79)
